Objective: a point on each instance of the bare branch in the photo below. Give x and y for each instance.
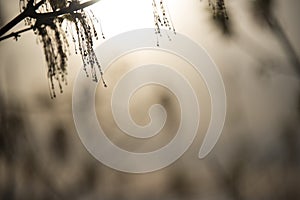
(70, 9)
(13, 23)
(16, 35)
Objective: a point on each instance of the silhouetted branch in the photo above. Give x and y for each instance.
(13, 22)
(39, 4)
(16, 35)
(30, 11)
(70, 9)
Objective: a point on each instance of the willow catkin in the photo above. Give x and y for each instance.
(162, 18)
(219, 8)
(55, 43)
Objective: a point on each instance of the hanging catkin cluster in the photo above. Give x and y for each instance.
(219, 8)
(162, 18)
(55, 47)
(52, 35)
(83, 40)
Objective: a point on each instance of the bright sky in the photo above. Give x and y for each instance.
(118, 15)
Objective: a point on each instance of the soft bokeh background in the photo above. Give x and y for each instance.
(257, 156)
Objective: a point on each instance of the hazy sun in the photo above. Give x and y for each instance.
(118, 16)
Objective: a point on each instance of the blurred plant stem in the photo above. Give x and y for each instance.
(285, 42)
(263, 11)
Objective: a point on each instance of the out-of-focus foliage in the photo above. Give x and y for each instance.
(219, 8)
(262, 10)
(220, 16)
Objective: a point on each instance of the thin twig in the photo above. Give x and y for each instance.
(13, 23)
(16, 35)
(36, 6)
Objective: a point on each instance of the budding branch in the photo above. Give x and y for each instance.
(30, 11)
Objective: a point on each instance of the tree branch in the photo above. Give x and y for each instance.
(16, 34)
(70, 9)
(39, 4)
(13, 23)
(30, 11)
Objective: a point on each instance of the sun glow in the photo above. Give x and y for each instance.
(117, 16)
